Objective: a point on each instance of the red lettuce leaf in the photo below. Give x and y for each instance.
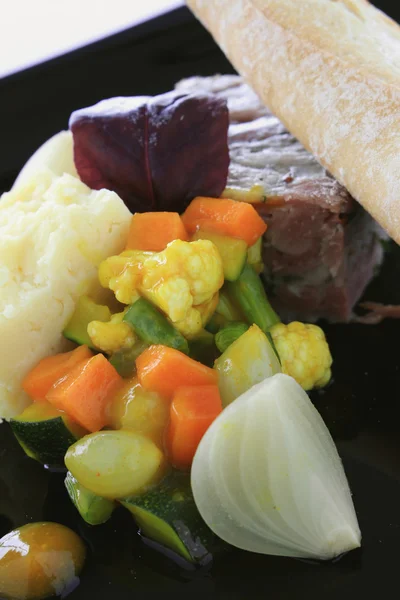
(156, 153)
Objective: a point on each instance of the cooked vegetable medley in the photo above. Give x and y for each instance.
(189, 331)
(180, 396)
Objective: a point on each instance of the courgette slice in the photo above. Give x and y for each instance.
(93, 509)
(246, 362)
(168, 515)
(254, 256)
(46, 433)
(232, 250)
(86, 311)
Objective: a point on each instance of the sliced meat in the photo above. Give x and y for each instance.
(244, 104)
(321, 248)
(327, 277)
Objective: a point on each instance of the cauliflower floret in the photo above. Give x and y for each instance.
(113, 335)
(183, 281)
(198, 317)
(198, 263)
(304, 353)
(172, 295)
(121, 274)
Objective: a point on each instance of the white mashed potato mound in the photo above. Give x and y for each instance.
(57, 154)
(54, 232)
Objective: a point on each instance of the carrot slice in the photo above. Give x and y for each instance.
(85, 392)
(152, 231)
(162, 369)
(192, 411)
(224, 216)
(50, 369)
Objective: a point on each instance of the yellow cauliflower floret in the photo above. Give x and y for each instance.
(121, 274)
(207, 309)
(197, 318)
(172, 295)
(304, 353)
(113, 335)
(183, 280)
(198, 263)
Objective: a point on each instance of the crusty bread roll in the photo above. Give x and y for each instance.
(330, 70)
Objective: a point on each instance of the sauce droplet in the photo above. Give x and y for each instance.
(40, 560)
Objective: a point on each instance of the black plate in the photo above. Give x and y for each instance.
(361, 407)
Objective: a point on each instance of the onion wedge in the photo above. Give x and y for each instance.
(267, 477)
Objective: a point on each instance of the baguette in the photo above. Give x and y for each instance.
(330, 71)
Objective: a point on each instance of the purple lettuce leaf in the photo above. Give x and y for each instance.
(156, 153)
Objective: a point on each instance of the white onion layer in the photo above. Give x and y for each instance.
(267, 477)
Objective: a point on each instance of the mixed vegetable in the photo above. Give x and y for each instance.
(190, 330)
(182, 397)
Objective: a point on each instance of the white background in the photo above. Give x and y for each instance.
(34, 30)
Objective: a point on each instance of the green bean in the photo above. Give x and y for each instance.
(254, 256)
(215, 323)
(229, 334)
(226, 308)
(124, 361)
(153, 327)
(249, 294)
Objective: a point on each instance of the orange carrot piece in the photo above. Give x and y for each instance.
(192, 411)
(85, 392)
(50, 369)
(152, 231)
(226, 217)
(162, 369)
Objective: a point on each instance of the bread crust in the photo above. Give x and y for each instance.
(330, 71)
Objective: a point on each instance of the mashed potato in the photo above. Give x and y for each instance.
(54, 232)
(57, 154)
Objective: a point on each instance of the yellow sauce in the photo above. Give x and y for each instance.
(39, 560)
(254, 195)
